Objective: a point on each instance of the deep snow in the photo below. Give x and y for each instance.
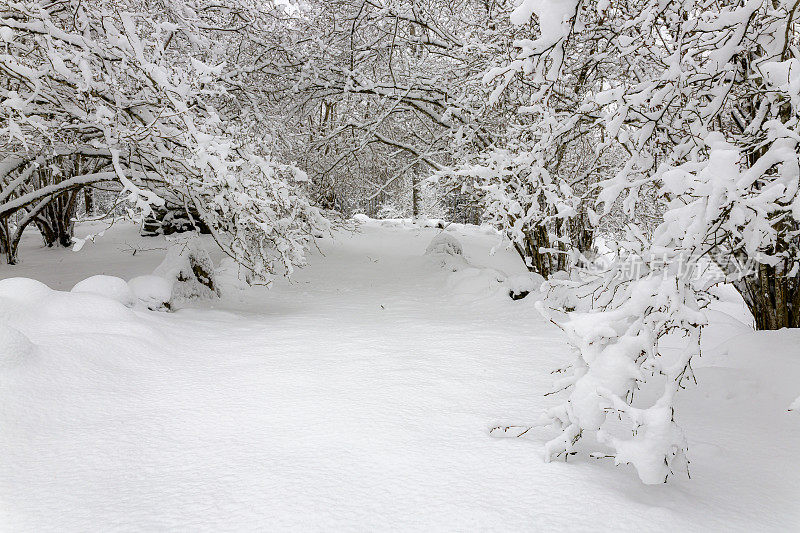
(357, 396)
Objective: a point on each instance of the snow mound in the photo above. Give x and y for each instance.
(23, 290)
(108, 286)
(521, 285)
(473, 283)
(14, 346)
(435, 223)
(154, 292)
(795, 405)
(444, 243)
(18, 294)
(362, 218)
(38, 311)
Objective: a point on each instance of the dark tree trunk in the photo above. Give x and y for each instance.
(536, 261)
(772, 297)
(576, 231)
(55, 221)
(9, 242)
(414, 196)
(88, 199)
(5, 242)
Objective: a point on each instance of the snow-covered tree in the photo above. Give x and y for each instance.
(149, 92)
(385, 93)
(701, 101)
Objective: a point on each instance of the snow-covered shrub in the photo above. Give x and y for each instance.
(188, 268)
(361, 218)
(521, 285)
(701, 102)
(108, 286)
(153, 292)
(444, 243)
(390, 210)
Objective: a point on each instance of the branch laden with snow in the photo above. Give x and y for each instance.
(143, 93)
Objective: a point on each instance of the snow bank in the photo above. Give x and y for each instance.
(108, 286)
(33, 308)
(472, 283)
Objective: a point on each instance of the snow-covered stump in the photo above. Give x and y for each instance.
(188, 268)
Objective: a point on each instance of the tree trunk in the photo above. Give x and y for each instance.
(5, 244)
(772, 297)
(414, 196)
(55, 221)
(88, 199)
(9, 242)
(528, 250)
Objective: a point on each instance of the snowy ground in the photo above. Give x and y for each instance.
(358, 396)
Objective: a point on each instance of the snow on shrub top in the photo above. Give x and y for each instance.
(154, 292)
(188, 267)
(444, 243)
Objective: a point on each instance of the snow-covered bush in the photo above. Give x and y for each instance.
(444, 243)
(521, 285)
(108, 286)
(153, 292)
(188, 268)
(389, 210)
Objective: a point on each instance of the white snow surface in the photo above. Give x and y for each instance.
(357, 396)
(108, 286)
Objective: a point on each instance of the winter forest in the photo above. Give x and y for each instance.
(408, 265)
